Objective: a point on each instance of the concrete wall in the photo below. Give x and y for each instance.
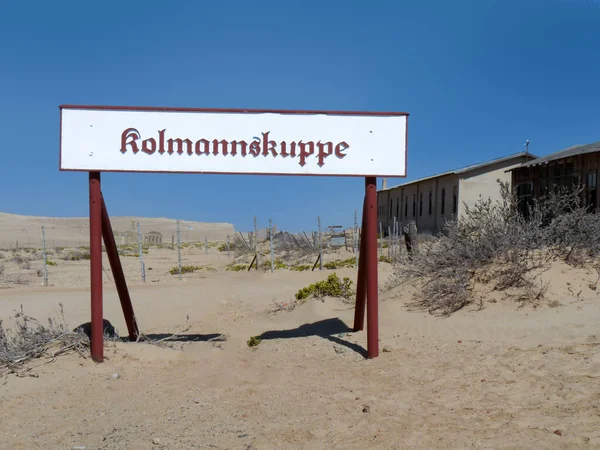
(482, 185)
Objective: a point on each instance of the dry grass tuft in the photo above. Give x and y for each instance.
(29, 340)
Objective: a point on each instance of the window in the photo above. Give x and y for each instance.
(545, 180)
(398, 207)
(443, 200)
(430, 201)
(414, 205)
(454, 199)
(525, 198)
(592, 190)
(420, 204)
(391, 206)
(406, 206)
(557, 171)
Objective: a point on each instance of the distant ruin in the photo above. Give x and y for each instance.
(130, 237)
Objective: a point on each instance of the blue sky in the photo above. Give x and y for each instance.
(478, 77)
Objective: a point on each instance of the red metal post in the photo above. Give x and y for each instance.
(361, 282)
(97, 343)
(370, 234)
(117, 270)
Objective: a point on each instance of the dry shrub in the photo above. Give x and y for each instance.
(495, 245)
(29, 340)
(77, 255)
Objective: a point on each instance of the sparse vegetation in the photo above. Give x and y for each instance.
(76, 255)
(237, 268)
(385, 259)
(495, 246)
(278, 264)
(51, 263)
(331, 287)
(300, 268)
(222, 247)
(254, 341)
(338, 264)
(190, 269)
(29, 340)
(18, 259)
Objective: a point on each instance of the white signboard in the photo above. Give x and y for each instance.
(232, 141)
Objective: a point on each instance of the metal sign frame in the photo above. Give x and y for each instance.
(100, 229)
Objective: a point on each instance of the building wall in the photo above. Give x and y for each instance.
(455, 190)
(411, 203)
(482, 185)
(448, 188)
(420, 191)
(583, 169)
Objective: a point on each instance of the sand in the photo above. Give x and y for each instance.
(26, 231)
(504, 376)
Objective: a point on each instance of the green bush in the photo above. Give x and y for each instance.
(253, 341)
(331, 287)
(237, 268)
(339, 264)
(385, 259)
(301, 268)
(278, 264)
(222, 247)
(190, 269)
(51, 263)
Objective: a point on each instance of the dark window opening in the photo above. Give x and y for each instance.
(592, 190)
(454, 199)
(443, 201)
(525, 198)
(420, 204)
(406, 206)
(414, 205)
(430, 201)
(398, 207)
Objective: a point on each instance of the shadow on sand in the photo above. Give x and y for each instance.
(325, 329)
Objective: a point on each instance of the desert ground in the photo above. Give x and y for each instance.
(26, 231)
(496, 375)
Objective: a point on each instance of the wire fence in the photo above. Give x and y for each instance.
(55, 254)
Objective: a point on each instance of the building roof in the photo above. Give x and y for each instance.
(463, 170)
(571, 151)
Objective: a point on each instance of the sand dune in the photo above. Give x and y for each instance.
(68, 232)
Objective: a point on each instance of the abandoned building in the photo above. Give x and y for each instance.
(130, 237)
(429, 202)
(577, 165)
(152, 238)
